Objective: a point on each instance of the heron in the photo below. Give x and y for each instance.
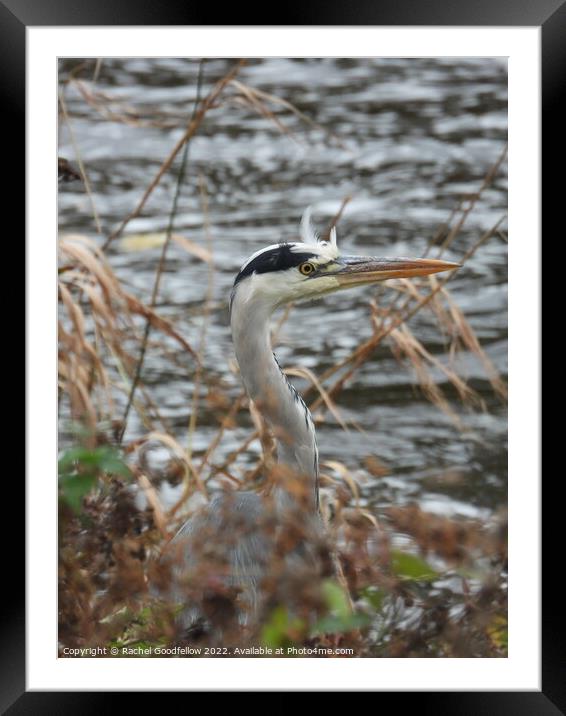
(240, 530)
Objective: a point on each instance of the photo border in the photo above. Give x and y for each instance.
(551, 17)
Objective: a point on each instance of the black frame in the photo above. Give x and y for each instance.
(550, 16)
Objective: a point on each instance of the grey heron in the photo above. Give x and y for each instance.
(232, 542)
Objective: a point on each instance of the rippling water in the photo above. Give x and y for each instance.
(406, 138)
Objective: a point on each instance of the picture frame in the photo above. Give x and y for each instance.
(551, 18)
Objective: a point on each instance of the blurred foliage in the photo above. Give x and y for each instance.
(408, 566)
(393, 603)
(80, 469)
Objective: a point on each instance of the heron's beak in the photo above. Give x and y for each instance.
(360, 270)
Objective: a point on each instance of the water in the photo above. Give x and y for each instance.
(406, 138)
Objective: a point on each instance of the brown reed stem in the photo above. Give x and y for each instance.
(157, 281)
(80, 162)
(194, 124)
(362, 351)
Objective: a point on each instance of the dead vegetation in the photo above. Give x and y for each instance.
(385, 602)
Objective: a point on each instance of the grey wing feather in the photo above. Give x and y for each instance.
(224, 539)
(231, 542)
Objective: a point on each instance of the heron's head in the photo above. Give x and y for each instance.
(297, 271)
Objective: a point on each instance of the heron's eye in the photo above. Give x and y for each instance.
(307, 268)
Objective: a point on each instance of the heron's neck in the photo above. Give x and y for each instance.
(273, 395)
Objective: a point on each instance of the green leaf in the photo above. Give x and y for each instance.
(103, 458)
(341, 617)
(281, 628)
(409, 566)
(75, 487)
(498, 633)
(80, 468)
(337, 625)
(336, 598)
(76, 456)
(374, 596)
(112, 463)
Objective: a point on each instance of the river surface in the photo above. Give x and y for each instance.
(406, 138)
